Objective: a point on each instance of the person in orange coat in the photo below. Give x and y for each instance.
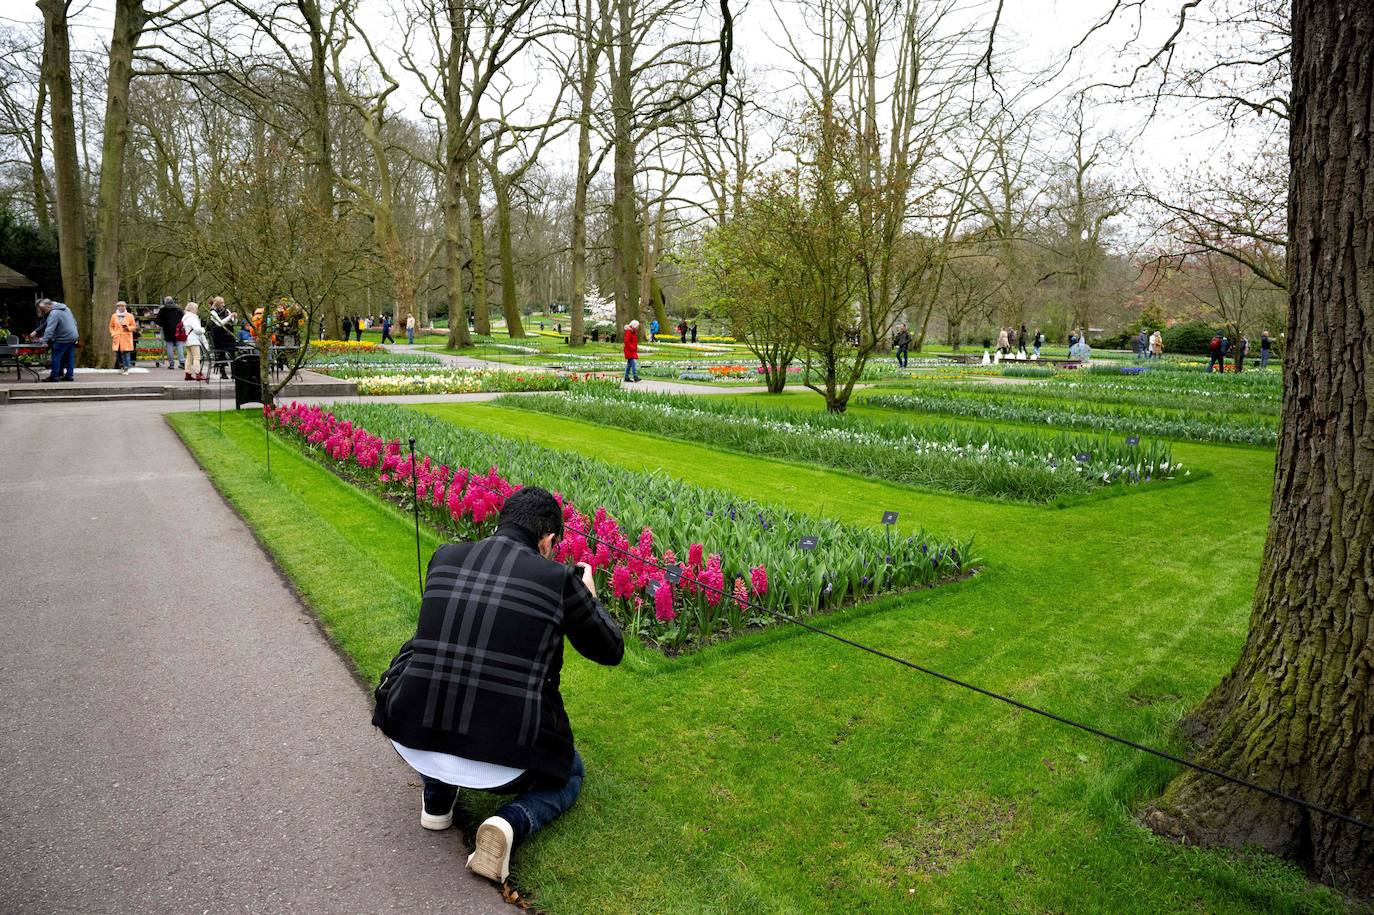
(122, 327)
(630, 348)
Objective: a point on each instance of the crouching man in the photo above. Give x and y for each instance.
(472, 701)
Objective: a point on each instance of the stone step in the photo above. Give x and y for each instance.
(69, 397)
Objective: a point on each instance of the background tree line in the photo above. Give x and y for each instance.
(483, 160)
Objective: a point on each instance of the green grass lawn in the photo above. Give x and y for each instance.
(786, 773)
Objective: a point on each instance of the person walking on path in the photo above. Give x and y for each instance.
(410, 329)
(1221, 353)
(59, 332)
(1214, 354)
(1039, 342)
(1242, 349)
(222, 334)
(386, 329)
(122, 325)
(472, 700)
(631, 350)
(653, 331)
(1003, 345)
(1156, 345)
(1265, 343)
(694, 332)
(196, 342)
(902, 341)
(168, 320)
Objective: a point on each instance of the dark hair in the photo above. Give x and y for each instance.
(535, 510)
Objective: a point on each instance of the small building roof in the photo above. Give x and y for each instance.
(13, 279)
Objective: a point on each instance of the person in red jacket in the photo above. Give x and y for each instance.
(631, 350)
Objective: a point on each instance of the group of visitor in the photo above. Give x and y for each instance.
(1146, 345)
(1010, 340)
(356, 324)
(1222, 346)
(188, 340)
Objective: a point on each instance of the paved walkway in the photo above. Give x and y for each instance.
(179, 737)
(646, 384)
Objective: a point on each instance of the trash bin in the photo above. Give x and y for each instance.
(247, 374)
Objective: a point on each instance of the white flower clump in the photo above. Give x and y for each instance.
(987, 452)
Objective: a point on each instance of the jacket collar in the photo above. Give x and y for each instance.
(517, 534)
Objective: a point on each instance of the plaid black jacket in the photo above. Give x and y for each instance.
(480, 678)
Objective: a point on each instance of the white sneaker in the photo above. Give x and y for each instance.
(436, 821)
(495, 837)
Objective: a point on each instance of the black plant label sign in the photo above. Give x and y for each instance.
(674, 575)
(1133, 440)
(1083, 457)
(808, 542)
(889, 518)
(652, 589)
(1054, 465)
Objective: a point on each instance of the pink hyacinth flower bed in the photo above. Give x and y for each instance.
(468, 502)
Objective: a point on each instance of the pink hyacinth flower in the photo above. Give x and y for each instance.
(758, 577)
(663, 604)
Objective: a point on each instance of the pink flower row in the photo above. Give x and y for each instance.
(468, 496)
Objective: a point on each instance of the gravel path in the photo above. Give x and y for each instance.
(179, 736)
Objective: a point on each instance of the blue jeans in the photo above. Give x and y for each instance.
(124, 358)
(631, 368)
(410, 336)
(901, 356)
(176, 352)
(537, 804)
(1264, 358)
(63, 361)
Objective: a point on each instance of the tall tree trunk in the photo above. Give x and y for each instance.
(323, 174)
(129, 20)
(481, 306)
(458, 335)
(578, 295)
(1297, 711)
(40, 181)
(624, 212)
(509, 308)
(455, 169)
(577, 306)
(71, 208)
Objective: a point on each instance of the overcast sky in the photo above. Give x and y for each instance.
(1034, 35)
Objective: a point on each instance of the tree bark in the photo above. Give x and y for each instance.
(591, 52)
(624, 212)
(71, 209)
(1297, 711)
(40, 184)
(481, 307)
(454, 171)
(509, 307)
(323, 175)
(130, 18)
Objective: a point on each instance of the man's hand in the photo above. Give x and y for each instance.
(587, 578)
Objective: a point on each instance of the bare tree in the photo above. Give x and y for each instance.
(70, 202)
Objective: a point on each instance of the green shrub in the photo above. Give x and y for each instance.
(1192, 339)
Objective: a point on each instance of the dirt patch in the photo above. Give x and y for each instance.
(937, 842)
